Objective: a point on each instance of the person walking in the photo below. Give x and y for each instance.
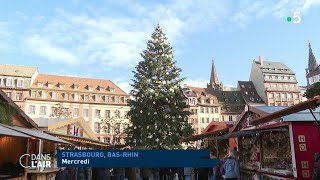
(146, 174)
(231, 167)
(187, 172)
(119, 173)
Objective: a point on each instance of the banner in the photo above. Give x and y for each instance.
(135, 158)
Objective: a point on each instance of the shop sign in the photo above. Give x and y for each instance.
(305, 164)
(302, 138)
(305, 173)
(302, 147)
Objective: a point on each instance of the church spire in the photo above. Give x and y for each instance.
(312, 64)
(214, 81)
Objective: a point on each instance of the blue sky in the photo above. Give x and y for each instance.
(103, 38)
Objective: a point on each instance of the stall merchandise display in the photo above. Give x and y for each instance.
(248, 153)
(276, 152)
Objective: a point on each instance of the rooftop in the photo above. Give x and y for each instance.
(84, 84)
(17, 70)
(274, 67)
(249, 93)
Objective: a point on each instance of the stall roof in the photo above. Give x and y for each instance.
(9, 132)
(203, 135)
(78, 139)
(21, 113)
(36, 133)
(291, 110)
(249, 132)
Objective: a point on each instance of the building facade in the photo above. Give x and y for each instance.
(214, 103)
(101, 103)
(16, 82)
(275, 83)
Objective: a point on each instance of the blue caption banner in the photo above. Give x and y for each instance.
(135, 158)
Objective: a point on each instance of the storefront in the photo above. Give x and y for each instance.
(276, 147)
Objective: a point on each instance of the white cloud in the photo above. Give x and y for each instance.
(116, 40)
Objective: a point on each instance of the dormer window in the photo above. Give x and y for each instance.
(235, 94)
(242, 86)
(111, 89)
(202, 101)
(101, 89)
(211, 101)
(40, 84)
(252, 99)
(50, 85)
(75, 87)
(20, 83)
(90, 88)
(97, 98)
(61, 86)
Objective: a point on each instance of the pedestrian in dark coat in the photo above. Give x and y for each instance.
(63, 174)
(102, 174)
(81, 174)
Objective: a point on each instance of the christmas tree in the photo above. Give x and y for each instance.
(159, 116)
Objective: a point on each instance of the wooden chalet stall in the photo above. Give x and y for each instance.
(214, 129)
(18, 136)
(277, 142)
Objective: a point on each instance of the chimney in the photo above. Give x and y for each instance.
(261, 60)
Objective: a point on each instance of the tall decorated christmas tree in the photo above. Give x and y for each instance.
(159, 118)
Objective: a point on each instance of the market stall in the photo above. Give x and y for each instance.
(278, 148)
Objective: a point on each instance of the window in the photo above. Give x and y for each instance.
(216, 119)
(202, 120)
(43, 110)
(111, 89)
(53, 110)
(211, 110)
(278, 96)
(76, 112)
(66, 96)
(33, 94)
(54, 95)
(117, 128)
(275, 86)
(207, 110)
(19, 96)
(43, 94)
(193, 101)
(20, 83)
(86, 97)
(284, 97)
(50, 85)
(117, 99)
(32, 109)
(117, 114)
(9, 94)
(296, 96)
(242, 86)
(1, 82)
(268, 86)
(116, 140)
(286, 78)
(96, 98)
(126, 115)
(222, 118)
(107, 113)
(280, 86)
(85, 112)
(61, 86)
(97, 113)
(39, 84)
(201, 109)
(106, 140)
(97, 127)
(75, 87)
(101, 89)
(202, 101)
(207, 120)
(9, 82)
(216, 110)
(76, 97)
(90, 88)
(108, 128)
(286, 87)
(290, 97)
(230, 118)
(106, 99)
